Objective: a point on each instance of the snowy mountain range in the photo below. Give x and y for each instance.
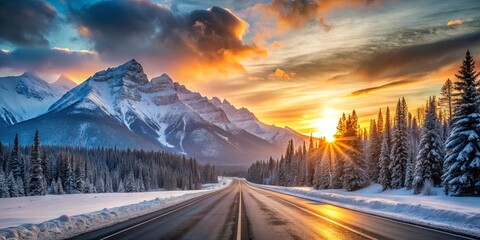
(120, 107)
(27, 96)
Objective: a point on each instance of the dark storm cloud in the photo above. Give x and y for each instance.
(148, 31)
(25, 22)
(42, 58)
(420, 58)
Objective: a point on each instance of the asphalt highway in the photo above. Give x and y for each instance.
(242, 211)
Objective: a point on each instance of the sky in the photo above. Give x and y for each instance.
(296, 63)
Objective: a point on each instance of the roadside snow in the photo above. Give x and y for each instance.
(461, 214)
(64, 216)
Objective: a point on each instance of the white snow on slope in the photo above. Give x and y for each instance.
(460, 214)
(247, 121)
(26, 96)
(64, 216)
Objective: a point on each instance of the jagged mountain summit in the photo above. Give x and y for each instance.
(64, 83)
(120, 107)
(27, 96)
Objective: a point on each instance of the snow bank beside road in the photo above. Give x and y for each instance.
(78, 213)
(461, 214)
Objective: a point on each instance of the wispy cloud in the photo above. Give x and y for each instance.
(381, 87)
(455, 22)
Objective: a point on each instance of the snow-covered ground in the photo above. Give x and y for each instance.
(63, 216)
(460, 214)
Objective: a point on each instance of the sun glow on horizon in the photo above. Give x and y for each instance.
(327, 125)
(330, 138)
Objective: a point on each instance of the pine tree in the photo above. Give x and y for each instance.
(131, 185)
(79, 179)
(60, 186)
(462, 160)
(311, 162)
(12, 186)
(414, 140)
(446, 101)
(355, 175)
(385, 160)
(430, 157)
(46, 165)
(21, 188)
(3, 186)
(375, 147)
(36, 186)
(3, 161)
(338, 164)
(16, 163)
(400, 148)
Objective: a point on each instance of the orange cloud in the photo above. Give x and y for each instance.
(293, 14)
(455, 22)
(191, 46)
(281, 74)
(83, 31)
(276, 44)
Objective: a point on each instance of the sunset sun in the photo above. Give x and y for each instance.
(326, 126)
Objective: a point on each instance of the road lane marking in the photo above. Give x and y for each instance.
(152, 219)
(270, 191)
(239, 224)
(322, 217)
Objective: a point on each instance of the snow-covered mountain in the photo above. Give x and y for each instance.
(64, 83)
(247, 121)
(27, 96)
(120, 107)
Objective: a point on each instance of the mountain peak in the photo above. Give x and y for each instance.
(216, 101)
(132, 62)
(32, 75)
(164, 78)
(65, 82)
(131, 71)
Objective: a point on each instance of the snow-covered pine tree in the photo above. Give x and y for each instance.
(60, 186)
(311, 161)
(12, 186)
(430, 157)
(317, 176)
(121, 187)
(414, 140)
(355, 174)
(400, 148)
(385, 175)
(339, 161)
(21, 187)
(462, 160)
(46, 165)
(53, 188)
(3, 161)
(375, 147)
(325, 180)
(79, 178)
(16, 162)
(35, 185)
(3, 186)
(131, 184)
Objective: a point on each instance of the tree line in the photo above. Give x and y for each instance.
(440, 146)
(36, 170)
